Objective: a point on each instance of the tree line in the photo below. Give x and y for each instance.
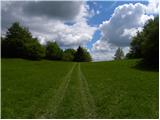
(145, 45)
(19, 43)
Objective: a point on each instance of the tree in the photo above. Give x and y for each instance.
(119, 54)
(68, 55)
(82, 55)
(145, 44)
(16, 37)
(19, 43)
(3, 52)
(34, 50)
(136, 48)
(53, 51)
(150, 45)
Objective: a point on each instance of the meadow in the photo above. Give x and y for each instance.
(52, 89)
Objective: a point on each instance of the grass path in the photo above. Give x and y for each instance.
(54, 102)
(48, 89)
(86, 97)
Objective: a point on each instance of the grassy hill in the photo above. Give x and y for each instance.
(49, 89)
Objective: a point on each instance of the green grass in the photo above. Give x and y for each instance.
(49, 89)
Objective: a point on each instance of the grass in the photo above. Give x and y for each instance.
(49, 89)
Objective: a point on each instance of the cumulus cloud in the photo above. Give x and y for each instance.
(47, 20)
(98, 12)
(66, 23)
(78, 34)
(102, 50)
(153, 7)
(125, 17)
(63, 10)
(116, 32)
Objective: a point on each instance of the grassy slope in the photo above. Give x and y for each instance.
(121, 91)
(47, 89)
(28, 85)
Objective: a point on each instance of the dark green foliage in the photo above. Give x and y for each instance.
(136, 48)
(53, 51)
(119, 55)
(34, 50)
(150, 46)
(3, 51)
(82, 55)
(19, 43)
(68, 55)
(14, 43)
(145, 44)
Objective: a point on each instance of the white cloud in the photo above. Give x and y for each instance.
(126, 20)
(101, 46)
(102, 56)
(71, 36)
(92, 13)
(125, 17)
(70, 28)
(46, 26)
(102, 50)
(153, 7)
(97, 12)
(130, 32)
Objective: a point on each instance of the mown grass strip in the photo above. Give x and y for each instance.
(86, 97)
(57, 99)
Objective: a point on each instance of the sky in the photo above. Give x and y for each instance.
(99, 26)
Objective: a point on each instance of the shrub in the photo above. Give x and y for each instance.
(145, 44)
(34, 50)
(119, 54)
(68, 55)
(19, 43)
(82, 55)
(53, 51)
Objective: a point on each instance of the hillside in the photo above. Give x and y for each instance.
(50, 89)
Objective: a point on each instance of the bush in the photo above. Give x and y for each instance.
(68, 55)
(145, 44)
(82, 55)
(150, 45)
(53, 51)
(119, 55)
(136, 49)
(14, 43)
(34, 50)
(19, 43)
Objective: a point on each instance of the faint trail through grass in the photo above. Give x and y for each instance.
(57, 99)
(70, 90)
(86, 97)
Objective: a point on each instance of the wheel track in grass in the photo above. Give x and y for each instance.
(58, 97)
(87, 100)
(86, 97)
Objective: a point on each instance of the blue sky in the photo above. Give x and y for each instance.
(100, 26)
(105, 9)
